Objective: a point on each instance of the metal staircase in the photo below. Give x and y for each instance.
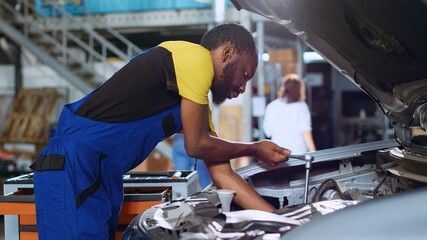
(52, 45)
(56, 47)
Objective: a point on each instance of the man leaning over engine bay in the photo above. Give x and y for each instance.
(78, 175)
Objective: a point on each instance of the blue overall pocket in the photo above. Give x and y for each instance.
(49, 182)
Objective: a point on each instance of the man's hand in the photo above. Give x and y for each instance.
(201, 143)
(271, 153)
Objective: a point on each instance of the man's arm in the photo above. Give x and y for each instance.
(199, 143)
(224, 177)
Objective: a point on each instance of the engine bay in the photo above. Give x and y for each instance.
(339, 178)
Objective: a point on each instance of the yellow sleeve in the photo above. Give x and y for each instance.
(193, 68)
(194, 72)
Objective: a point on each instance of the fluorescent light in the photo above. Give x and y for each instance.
(265, 57)
(310, 57)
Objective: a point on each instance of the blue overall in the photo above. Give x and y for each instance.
(181, 161)
(78, 179)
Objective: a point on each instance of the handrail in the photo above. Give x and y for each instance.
(34, 28)
(20, 30)
(41, 54)
(132, 49)
(67, 20)
(67, 17)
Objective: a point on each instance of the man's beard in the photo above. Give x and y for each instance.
(222, 88)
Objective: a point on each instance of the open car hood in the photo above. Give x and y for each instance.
(379, 45)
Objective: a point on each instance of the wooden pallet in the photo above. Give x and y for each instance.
(30, 117)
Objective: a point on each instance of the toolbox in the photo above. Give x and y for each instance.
(142, 190)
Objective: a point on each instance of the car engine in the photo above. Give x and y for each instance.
(339, 179)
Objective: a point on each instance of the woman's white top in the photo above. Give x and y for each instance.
(285, 123)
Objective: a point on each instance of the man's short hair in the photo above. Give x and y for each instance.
(232, 33)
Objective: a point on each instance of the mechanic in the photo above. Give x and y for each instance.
(78, 175)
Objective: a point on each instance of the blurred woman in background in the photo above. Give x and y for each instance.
(287, 120)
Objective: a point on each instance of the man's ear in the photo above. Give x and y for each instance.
(227, 52)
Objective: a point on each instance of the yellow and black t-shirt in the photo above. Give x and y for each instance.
(151, 82)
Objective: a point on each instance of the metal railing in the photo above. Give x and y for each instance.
(60, 41)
